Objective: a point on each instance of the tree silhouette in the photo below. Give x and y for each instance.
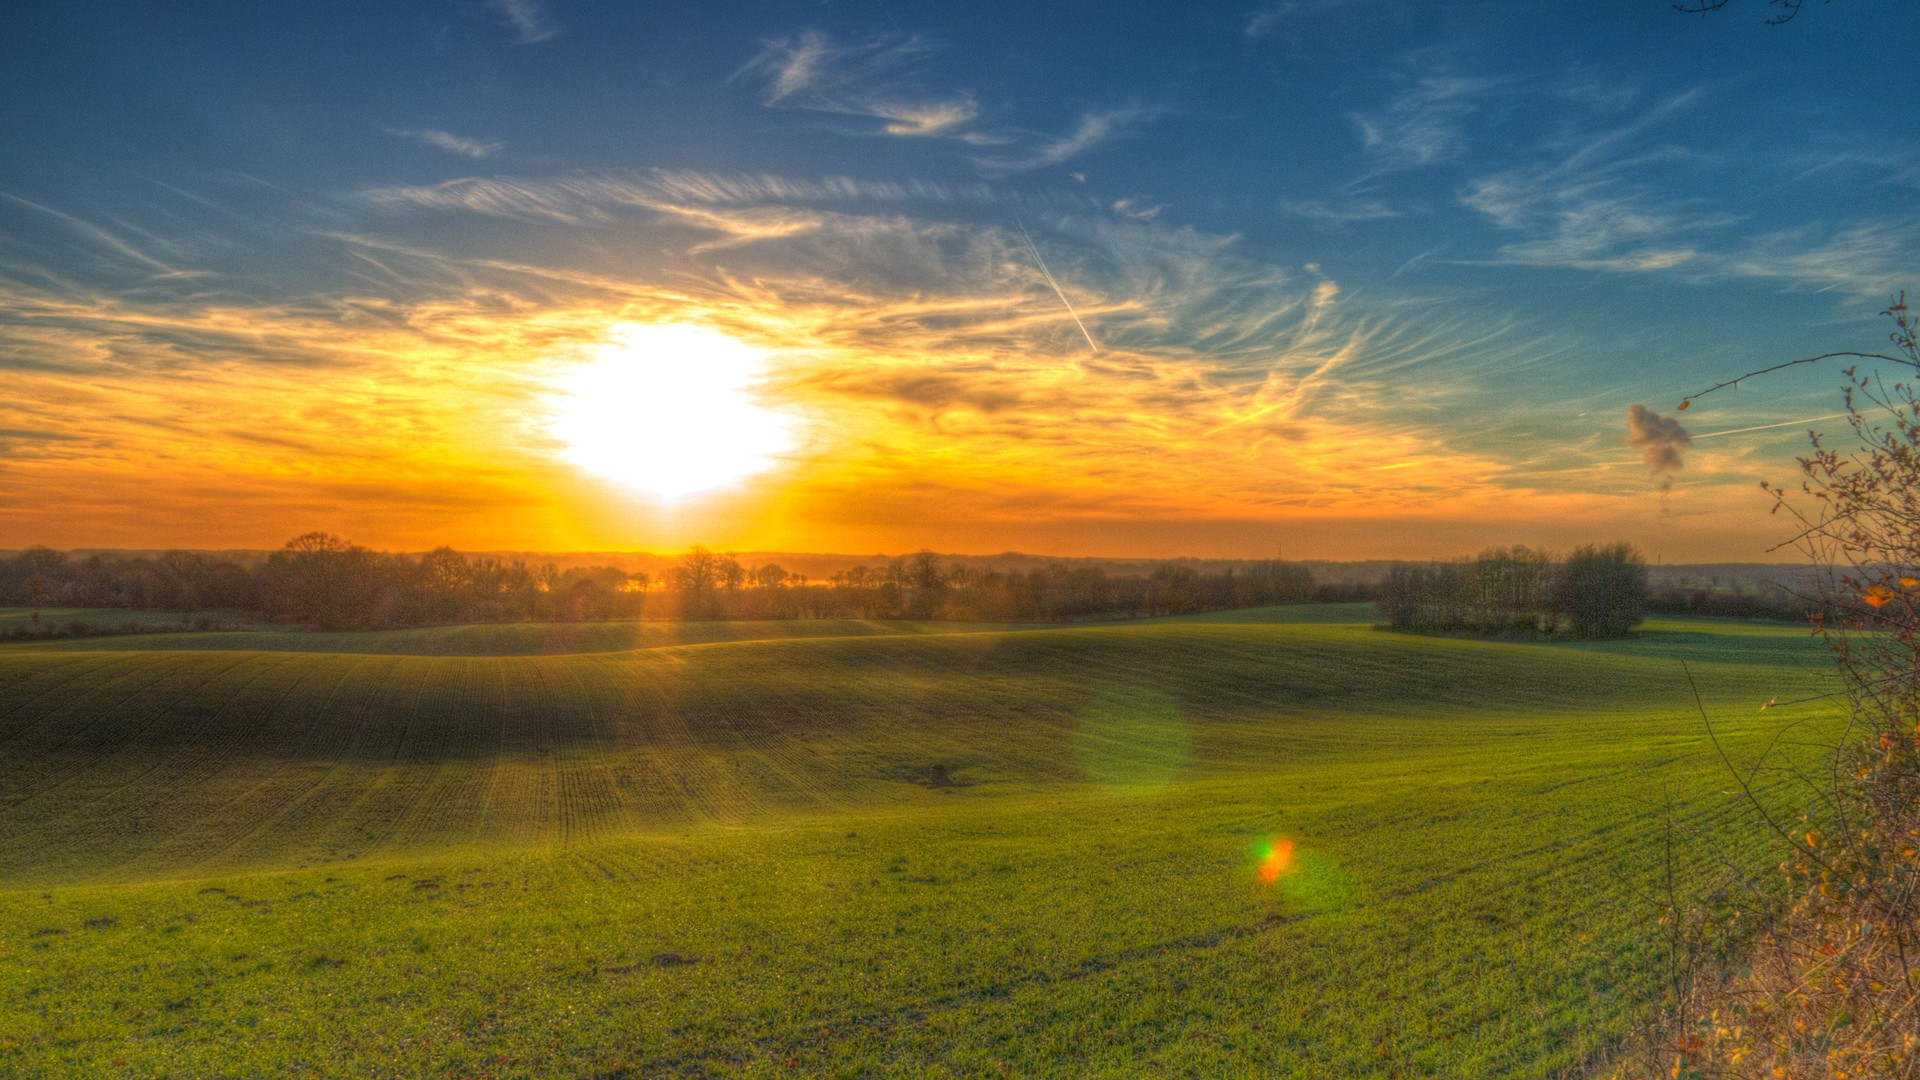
(1602, 591)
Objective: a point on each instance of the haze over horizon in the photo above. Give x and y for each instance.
(1363, 278)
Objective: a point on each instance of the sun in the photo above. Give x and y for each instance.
(668, 410)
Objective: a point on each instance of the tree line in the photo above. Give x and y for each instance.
(1596, 592)
(1772, 602)
(323, 581)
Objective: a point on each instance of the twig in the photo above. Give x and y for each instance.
(1741, 778)
(1691, 398)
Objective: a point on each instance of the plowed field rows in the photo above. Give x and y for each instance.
(857, 848)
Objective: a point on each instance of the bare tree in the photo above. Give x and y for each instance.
(1602, 591)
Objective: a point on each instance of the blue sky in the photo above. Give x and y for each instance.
(1441, 245)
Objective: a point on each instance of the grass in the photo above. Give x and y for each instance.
(111, 620)
(530, 639)
(725, 851)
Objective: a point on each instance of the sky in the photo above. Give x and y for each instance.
(1320, 278)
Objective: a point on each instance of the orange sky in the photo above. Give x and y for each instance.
(409, 426)
(1220, 281)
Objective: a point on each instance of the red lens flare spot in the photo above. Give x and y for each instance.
(1275, 859)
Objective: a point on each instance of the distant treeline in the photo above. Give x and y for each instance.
(1735, 602)
(323, 581)
(1596, 592)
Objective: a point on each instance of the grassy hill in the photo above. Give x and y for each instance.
(856, 848)
(521, 639)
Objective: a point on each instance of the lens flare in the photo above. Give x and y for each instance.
(1276, 859)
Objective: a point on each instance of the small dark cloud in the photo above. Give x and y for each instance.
(1661, 441)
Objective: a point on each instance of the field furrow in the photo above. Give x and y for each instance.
(1026, 850)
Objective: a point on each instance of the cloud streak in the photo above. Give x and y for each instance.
(1585, 210)
(1270, 18)
(1423, 126)
(528, 19)
(1339, 212)
(1094, 129)
(865, 79)
(934, 374)
(451, 143)
(874, 79)
(585, 198)
(1605, 205)
(912, 337)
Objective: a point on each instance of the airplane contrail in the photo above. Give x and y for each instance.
(1767, 427)
(1056, 287)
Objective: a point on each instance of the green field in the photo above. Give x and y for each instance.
(109, 620)
(858, 848)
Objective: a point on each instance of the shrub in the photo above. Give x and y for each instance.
(1830, 987)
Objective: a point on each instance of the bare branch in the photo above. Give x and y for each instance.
(1691, 398)
(1788, 8)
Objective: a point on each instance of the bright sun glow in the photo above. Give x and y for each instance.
(667, 409)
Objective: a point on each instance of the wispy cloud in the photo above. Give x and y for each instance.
(1423, 125)
(935, 372)
(906, 342)
(1269, 18)
(1608, 203)
(875, 79)
(529, 19)
(867, 79)
(583, 199)
(568, 202)
(1339, 211)
(451, 143)
(1421, 121)
(924, 333)
(1586, 209)
(1093, 129)
(1590, 221)
(1874, 257)
(1137, 209)
(745, 225)
(99, 236)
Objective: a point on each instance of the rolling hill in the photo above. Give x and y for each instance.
(859, 848)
